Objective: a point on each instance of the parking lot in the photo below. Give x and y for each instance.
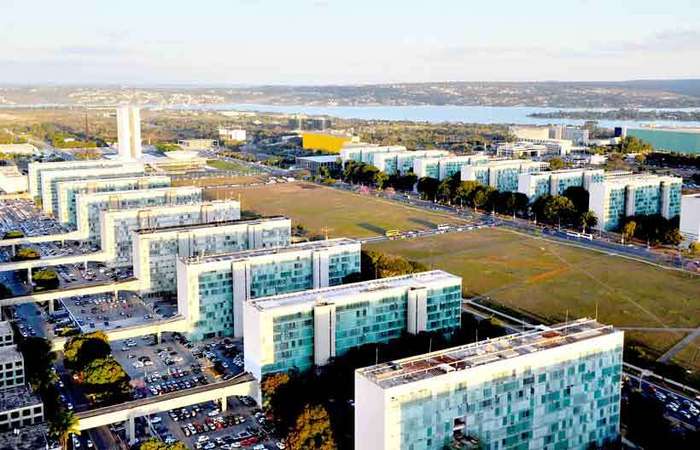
(106, 312)
(23, 215)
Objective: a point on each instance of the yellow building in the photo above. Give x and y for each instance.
(327, 142)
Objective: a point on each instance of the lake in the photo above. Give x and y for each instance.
(442, 113)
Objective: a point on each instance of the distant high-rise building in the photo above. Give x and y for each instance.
(129, 132)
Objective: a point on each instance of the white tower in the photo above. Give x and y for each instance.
(129, 132)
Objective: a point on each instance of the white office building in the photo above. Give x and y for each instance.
(501, 174)
(690, 217)
(51, 179)
(401, 162)
(12, 180)
(306, 329)
(546, 389)
(90, 205)
(365, 152)
(37, 168)
(117, 226)
(556, 182)
(156, 250)
(618, 197)
(442, 167)
(129, 132)
(213, 289)
(68, 190)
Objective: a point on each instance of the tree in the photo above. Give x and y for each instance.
(13, 234)
(556, 164)
(480, 197)
(381, 265)
(156, 444)
(427, 187)
(558, 208)
(628, 230)
(588, 220)
(73, 355)
(271, 383)
(103, 371)
(465, 191)
(312, 430)
(26, 254)
(38, 362)
(579, 197)
(46, 279)
(63, 425)
(380, 179)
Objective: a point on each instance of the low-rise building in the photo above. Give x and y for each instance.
(617, 197)
(501, 174)
(232, 134)
(19, 407)
(212, 290)
(18, 149)
(556, 387)
(155, 251)
(12, 181)
(306, 329)
(314, 163)
(331, 142)
(11, 367)
(534, 148)
(690, 217)
(6, 334)
(365, 153)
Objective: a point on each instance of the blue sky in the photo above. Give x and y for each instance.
(345, 41)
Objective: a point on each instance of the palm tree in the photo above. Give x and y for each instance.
(588, 220)
(63, 425)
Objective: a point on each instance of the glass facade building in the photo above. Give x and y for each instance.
(556, 182)
(118, 226)
(156, 251)
(90, 205)
(298, 331)
(501, 174)
(618, 197)
(547, 389)
(67, 191)
(212, 290)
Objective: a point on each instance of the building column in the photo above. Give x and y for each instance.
(320, 261)
(14, 249)
(324, 333)
(224, 404)
(130, 429)
(29, 275)
(52, 307)
(240, 277)
(85, 266)
(159, 337)
(417, 310)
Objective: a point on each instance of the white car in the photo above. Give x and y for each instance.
(137, 364)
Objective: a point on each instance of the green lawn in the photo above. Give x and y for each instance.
(341, 213)
(549, 280)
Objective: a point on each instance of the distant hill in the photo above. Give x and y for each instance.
(603, 94)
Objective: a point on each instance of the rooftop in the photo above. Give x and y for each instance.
(17, 397)
(173, 208)
(352, 291)
(9, 353)
(143, 192)
(246, 254)
(409, 370)
(31, 437)
(197, 226)
(639, 178)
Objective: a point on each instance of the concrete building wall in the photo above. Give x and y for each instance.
(690, 217)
